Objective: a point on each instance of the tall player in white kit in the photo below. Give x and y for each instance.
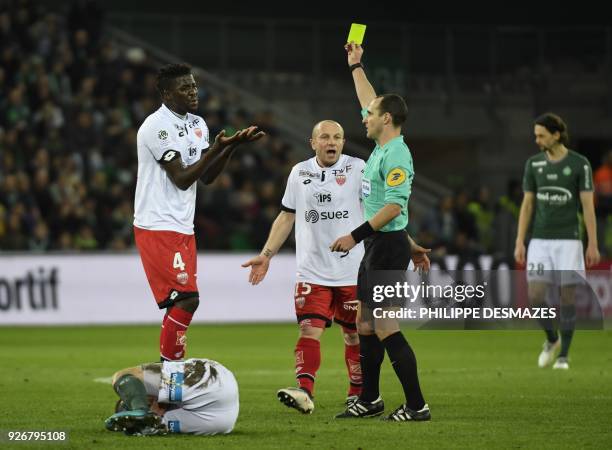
(322, 198)
(197, 396)
(173, 154)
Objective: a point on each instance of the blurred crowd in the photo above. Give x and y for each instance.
(71, 102)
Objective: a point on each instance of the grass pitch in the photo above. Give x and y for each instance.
(483, 387)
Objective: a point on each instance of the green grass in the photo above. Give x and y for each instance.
(483, 387)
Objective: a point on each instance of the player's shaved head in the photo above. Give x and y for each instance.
(317, 129)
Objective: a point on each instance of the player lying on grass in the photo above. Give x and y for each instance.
(197, 396)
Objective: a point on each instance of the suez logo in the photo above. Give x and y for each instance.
(38, 291)
(313, 216)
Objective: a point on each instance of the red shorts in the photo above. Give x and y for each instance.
(170, 263)
(317, 305)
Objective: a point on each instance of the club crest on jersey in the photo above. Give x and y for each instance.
(299, 302)
(181, 338)
(198, 132)
(163, 135)
(340, 179)
(182, 278)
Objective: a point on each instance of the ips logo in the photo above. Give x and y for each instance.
(323, 197)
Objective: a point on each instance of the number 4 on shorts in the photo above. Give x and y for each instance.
(178, 262)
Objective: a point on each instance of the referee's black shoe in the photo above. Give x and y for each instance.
(361, 408)
(405, 414)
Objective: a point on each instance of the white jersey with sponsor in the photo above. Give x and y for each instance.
(203, 395)
(159, 204)
(327, 205)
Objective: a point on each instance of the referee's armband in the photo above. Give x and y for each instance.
(168, 156)
(362, 231)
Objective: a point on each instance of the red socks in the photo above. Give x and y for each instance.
(307, 362)
(353, 365)
(173, 337)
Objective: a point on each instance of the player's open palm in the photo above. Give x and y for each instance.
(221, 140)
(259, 267)
(420, 259)
(251, 134)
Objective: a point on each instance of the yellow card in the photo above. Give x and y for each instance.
(356, 33)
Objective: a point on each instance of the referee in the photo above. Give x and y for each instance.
(386, 186)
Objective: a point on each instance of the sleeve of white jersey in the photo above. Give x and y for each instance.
(159, 140)
(206, 136)
(360, 163)
(288, 201)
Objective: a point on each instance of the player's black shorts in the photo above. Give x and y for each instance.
(385, 262)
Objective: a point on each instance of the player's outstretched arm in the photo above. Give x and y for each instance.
(523, 225)
(278, 235)
(588, 210)
(220, 162)
(184, 177)
(365, 91)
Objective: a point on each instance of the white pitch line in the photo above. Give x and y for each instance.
(103, 380)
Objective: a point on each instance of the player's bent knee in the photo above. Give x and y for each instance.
(351, 338)
(188, 304)
(311, 332)
(536, 292)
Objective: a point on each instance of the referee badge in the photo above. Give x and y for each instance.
(396, 177)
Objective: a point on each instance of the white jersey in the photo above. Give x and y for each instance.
(203, 395)
(326, 202)
(159, 204)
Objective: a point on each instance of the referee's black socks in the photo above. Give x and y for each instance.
(371, 353)
(405, 366)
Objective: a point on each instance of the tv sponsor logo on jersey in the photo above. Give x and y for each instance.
(313, 216)
(174, 426)
(176, 387)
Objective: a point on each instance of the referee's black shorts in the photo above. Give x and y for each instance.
(385, 262)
